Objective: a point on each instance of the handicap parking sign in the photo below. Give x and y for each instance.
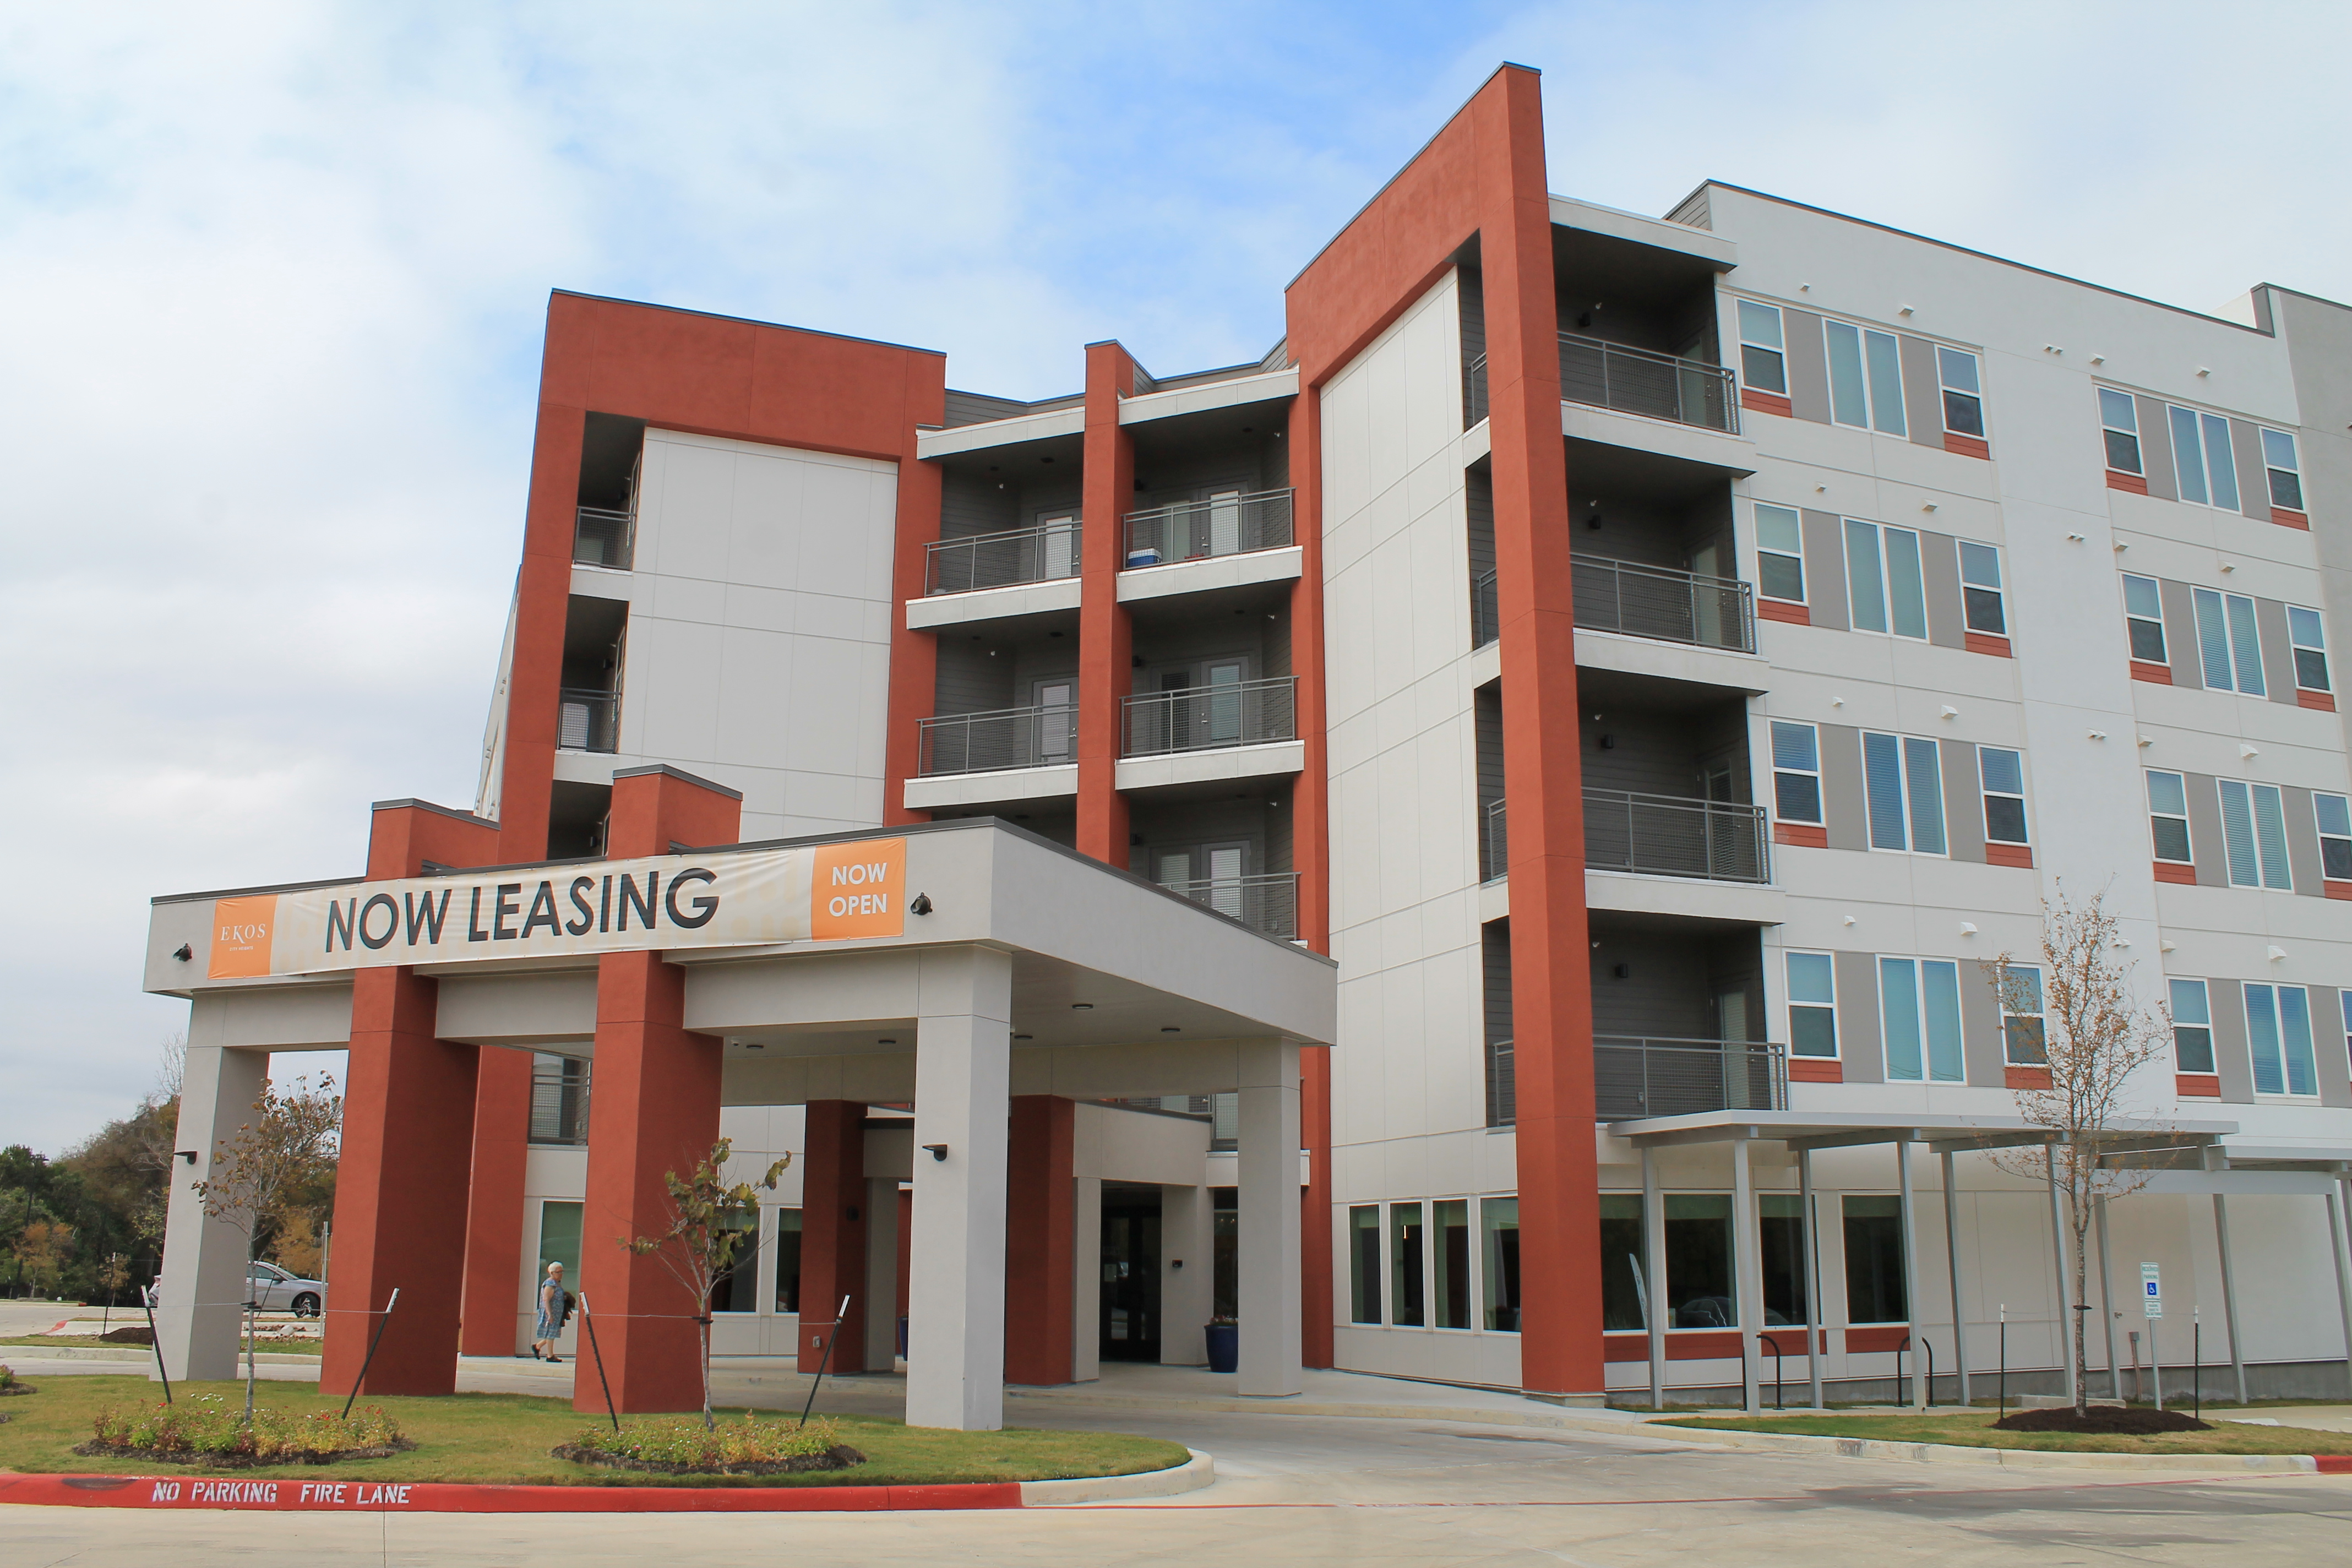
(2151, 1292)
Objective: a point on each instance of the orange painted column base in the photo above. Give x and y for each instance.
(1040, 1210)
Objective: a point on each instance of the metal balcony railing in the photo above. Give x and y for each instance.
(559, 1101)
(1495, 843)
(1667, 835)
(1002, 738)
(1041, 555)
(1222, 525)
(1486, 611)
(1268, 903)
(1502, 1085)
(587, 720)
(1473, 391)
(1196, 717)
(1639, 1078)
(1656, 602)
(1636, 380)
(602, 537)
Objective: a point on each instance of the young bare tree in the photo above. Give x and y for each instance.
(2076, 1012)
(282, 1152)
(703, 1243)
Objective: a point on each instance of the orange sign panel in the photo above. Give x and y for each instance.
(241, 933)
(859, 890)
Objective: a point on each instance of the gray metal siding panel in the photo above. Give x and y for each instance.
(1963, 801)
(2253, 475)
(971, 503)
(1980, 1039)
(1844, 809)
(1494, 959)
(1859, 1045)
(1808, 366)
(2278, 654)
(1487, 716)
(2181, 634)
(2205, 830)
(2232, 1057)
(1923, 392)
(1478, 506)
(2327, 1032)
(1665, 995)
(2302, 841)
(1939, 557)
(970, 681)
(2156, 449)
(1826, 569)
(1694, 211)
(978, 408)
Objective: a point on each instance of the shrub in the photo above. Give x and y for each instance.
(685, 1444)
(205, 1427)
(7, 1378)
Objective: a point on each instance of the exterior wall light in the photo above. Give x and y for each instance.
(921, 906)
(937, 1150)
(184, 952)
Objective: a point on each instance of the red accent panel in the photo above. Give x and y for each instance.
(1780, 610)
(2025, 1078)
(2287, 519)
(1814, 1070)
(1767, 403)
(914, 656)
(494, 1214)
(653, 811)
(2333, 1464)
(2323, 700)
(1986, 643)
(2135, 483)
(2173, 872)
(2197, 1085)
(1105, 640)
(1804, 835)
(1316, 1302)
(1685, 1345)
(290, 1492)
(1041, 1206)
(1875, 1339)
(1967, 446)
(402, 838)
(2017, 855)
(2338, 890)
(833, 1245)
(2154, 674)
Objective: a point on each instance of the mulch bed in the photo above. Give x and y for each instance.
(840, 1456)
(14, 1389)
(2106, 1420)
(94, 1449)
(127, 1337)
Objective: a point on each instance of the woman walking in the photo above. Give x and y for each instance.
(554, 1307)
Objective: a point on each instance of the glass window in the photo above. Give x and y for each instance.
(1500, 1219)
(2022, 1040)
(788, 1260)
(1781, 1241)
(1761, 361)
(1907, 585)
(1779, 553)
(1980, 590)
(2192, 1026)
(1865, 378)
(2308, 636)
(2004, 795)
(2168, 812)
(1452, 1261)
(738, 1289)
(1919, 1005)
(1963, 398)
(2120, 421)
(1699, 1262)
(1405, 1265)
(559, 1242)
(2286, 472)
(1865, 577)
(558, 1100)
(2334, 814)
(1886, 587)
(1364, 1262)
(2201, 455)
(1813, 1004)
(1624, 1292)
(2345, 997)
(1796, 772)
(2254, 833)
(2228, 646)
(1224, 1251)
(2278, 1030)
(1905, 790)
(2144, 616)
(1874, 1261)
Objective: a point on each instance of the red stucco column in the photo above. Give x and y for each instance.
(1040, 1207)
(494, 1211)
(832, 1232)
(1104, 639)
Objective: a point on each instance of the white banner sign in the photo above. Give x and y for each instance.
(829, 892)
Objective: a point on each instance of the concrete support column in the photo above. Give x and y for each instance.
(196, 1323)
(1746, 1281)
(1653, 1275)
(1086, 1280)
(881, 1294)
(2228, 1292)
(835, 1220)
(1810, 1220)
(494, 1203)
(1187, 1275)
(2335, 1219)
(1039, 1209)
(1104, 632)
(1912, 1303)
(1267, 1267)
(1952, 1257)
(964, 1064)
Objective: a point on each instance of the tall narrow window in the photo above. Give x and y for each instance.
(1779, 553)
(2144, 617)
(1781, 1238)
(1885, 585)
(2167, 815)
(1906, 790)
(2201, 457)
(2192, 1026)
(1865, 378)
(1451, 1257)
(1405, 1265)
(2278, 1032)
(2003, 774)
(1796, 772)
(2228, 646)
(1865, 577)
(1919, 1003)
(1763, 363)
(2286, 472)
(2253, 832)
(2308, 635)
(1874, 1260)
(1624, 1292)
(1364, 1264)
(1981, 593)
(788, 1260)
(2334, 814)
(2119, 421)
(1813, 1004)
(1499, 1219)
(738, 1289)
(1963, 397)
(2024, 1043)
(1698, 1261)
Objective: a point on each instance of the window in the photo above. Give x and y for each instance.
(1980, 590)
(1887, 587)
(2227, 643)
(1762, 363)
(1404, 1264)
(1500, 1219)
(1779, 553)
(2345, 997)
(788, 1260)
(738, 1289)
(1796, 772)
(2003, 774)
(1906, 793)
(1865, 378)
(559, 1240)
(2335, 814)
(1813, 1004)
(1874, 1261)
(2254, 833)
(2024, 1043)
(2278, 1029)
(2285, 473)
(2167, 815)
(1963, 398)
(2192, 1026)
(1625, 1293)
(558, 1100)
(1452, 1261)
(1781, 1238)
(1364, 1264)
(1699, 1262)
(2308, 635)
(1920, 1000)
(2119, 418)
(2144, 617)
(2200, 454)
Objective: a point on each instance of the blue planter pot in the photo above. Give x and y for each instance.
(1224, 1346)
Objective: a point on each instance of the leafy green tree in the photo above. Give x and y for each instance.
(703, 1242)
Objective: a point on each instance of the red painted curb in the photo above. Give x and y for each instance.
(289, 1494)
(2333, 1464)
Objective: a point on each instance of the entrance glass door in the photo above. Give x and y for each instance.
(1056, 720)
(1130, 1274)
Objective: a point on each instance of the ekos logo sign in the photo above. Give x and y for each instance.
(859, 890)
(241, 935)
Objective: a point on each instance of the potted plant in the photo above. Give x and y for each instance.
(1224, 1343)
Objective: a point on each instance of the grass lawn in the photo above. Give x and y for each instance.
(506, 1437)
(1973, 1429)
(96, 1342)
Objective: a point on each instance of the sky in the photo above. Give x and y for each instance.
(273, 281)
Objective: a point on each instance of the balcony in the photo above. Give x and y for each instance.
(1495, 843)
(1268, 904)
(1655, 602)
(1017, 555)
(1654, 835)
(1003, 738)
(1204, 717)
(602, 537)
(1635, 1078)
(559, 1101)
(587, 720)
(1486, 611)
(1196, 530)
(1657, 386)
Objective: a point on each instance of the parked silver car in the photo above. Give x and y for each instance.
(274, 1290)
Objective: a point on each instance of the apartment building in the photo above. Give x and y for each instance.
(1665, 662)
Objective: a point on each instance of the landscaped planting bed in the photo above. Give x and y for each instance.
(210, 1429)
(746, 1447)
(1975, 1429)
